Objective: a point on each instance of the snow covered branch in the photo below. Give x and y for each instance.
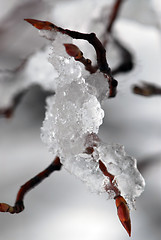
(72, 122)
(73, 117)
(79, 77)
(92, 39)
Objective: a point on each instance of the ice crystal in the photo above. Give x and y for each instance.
(71, 125)
(127, 178)
(123, 167)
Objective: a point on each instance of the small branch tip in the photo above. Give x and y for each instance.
(41, 25)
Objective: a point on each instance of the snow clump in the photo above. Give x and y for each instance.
(73, 117)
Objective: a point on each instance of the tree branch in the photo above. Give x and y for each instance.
(111, 178)
(19, 205)
(92, 39)
(127, 58)
(114, 14)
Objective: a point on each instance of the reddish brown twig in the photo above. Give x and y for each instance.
(92, 39)
(122, 208)
(148, 89)
(114, 13)
(19, 205)
(111, 177)
(88, 65)
(110, 23)
(127, 62)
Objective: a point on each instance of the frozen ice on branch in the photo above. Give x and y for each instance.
(74, 115)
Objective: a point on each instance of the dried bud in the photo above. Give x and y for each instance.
(73, 51)
(123, 213)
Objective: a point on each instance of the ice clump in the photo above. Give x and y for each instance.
(71, 114)
(99, 84)
(67, 68)
(71, 125)
(127, 178)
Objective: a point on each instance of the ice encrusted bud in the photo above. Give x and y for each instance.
(73, 51)
(128, 179)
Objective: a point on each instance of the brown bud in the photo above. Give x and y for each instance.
(123, 213)
(73, 51)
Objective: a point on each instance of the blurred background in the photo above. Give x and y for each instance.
(61, 207)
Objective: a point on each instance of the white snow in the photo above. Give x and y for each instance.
(73, 114)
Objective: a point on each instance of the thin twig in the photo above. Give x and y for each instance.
(19, 204)
(113, 16)
(127, 63)
(111, 177)
(87, 63)
(122, 208)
